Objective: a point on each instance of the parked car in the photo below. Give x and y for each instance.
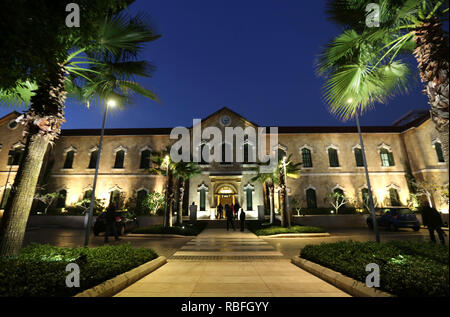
(394, 218)
(128, 222)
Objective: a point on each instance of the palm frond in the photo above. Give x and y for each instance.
(18, 97)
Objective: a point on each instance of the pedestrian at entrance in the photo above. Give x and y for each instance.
(432, 219)
(220, 211)
(236, 209)
(229, 215)
(242, 219)
(111, 227)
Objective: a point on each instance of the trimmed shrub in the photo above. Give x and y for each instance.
(266, 229)
(407, 268)
(39, 270)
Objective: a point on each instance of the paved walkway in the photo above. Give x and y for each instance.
(218, 263)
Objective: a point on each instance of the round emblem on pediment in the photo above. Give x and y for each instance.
(225, 120)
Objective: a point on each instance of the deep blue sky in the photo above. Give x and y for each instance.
(253, 56)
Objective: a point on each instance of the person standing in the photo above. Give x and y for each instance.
(432, 219)
(220, 211)
(230, 218)
(236, 209)
(110, 218)
(242, 219)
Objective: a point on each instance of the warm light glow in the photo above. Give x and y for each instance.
(349, 100)
(111, 103)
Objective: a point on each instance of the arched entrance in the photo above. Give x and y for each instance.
(225, 194)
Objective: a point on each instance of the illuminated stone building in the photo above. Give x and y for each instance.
(331, 159)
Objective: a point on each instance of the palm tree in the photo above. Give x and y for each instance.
(277, 179)
(183, 171)
(119, 42)
(286, 168)
(413, 26)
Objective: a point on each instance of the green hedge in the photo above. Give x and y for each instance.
(39, 270)
(407, 268)
(265, 229)
(187, 229)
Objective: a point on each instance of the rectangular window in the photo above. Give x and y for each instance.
(333, 157)
(358, 157)
(394, 198)
(387, 158)
(306, 157)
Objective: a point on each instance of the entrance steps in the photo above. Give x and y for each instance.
(221, 223)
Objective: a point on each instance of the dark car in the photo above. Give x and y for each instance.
(394, 218)
(128, 222)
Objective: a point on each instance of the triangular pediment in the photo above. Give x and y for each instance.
(225, 117)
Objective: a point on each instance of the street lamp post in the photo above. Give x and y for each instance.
(371, 206)
(286, 197)
(88, 216)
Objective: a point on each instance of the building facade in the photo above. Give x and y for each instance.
(330, 156)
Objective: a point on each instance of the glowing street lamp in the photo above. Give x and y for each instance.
(371, 206)
(111, 103)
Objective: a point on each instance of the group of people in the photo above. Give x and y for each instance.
(231, 212)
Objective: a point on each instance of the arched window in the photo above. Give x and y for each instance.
(333, 157)
(120, 158)
(114, 197)
(387, 157)
(393, 196)
(365, 196)
(70, 155)
(341, 192)
(358, 157)
(311, 200)
(202, 199)
(439, 153)
(141, 195)
(87, 194)
(145, 159)
(61, 202)
(93, 159)
(306, 157)
(281, 153)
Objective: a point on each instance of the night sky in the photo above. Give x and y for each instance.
(256, 57)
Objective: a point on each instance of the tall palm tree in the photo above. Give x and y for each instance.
(182, 172)
(286, 169)
(276, 179)
(120, 40)
(413, 26)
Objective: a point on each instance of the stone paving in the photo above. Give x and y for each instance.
(218, 263)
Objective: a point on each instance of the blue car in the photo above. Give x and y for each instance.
(394, 218)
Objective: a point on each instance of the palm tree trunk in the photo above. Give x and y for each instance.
(432, 56)
(18, 207)
(271, 203)
(282, 192)
(42, 125)
(180, 201)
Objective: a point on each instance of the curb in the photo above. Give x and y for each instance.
(345, 283)
(297, 235)
(116, 284)
(157, 235)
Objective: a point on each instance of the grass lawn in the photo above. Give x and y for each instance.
(265, 229)
(40, 270)
(407, 267)
(187, 229)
